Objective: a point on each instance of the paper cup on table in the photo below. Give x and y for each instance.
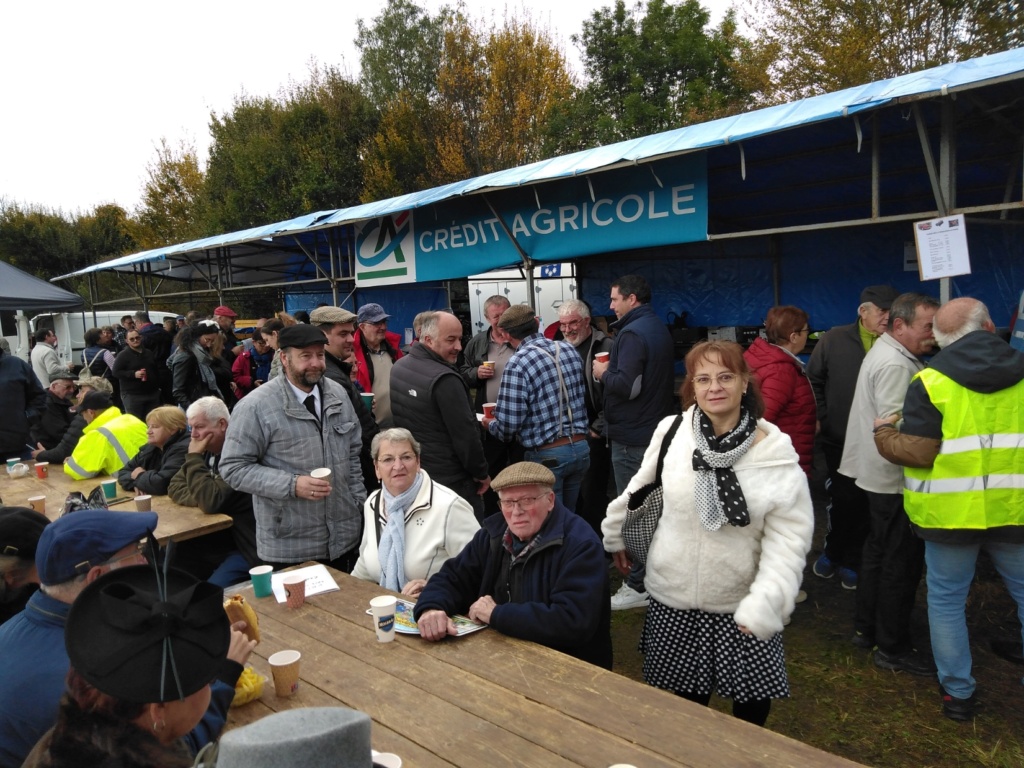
(42, 469)
(386, 759)
(602, 357)
(320, 474)
(261, 580)
(284, 666)
(383, 610)
(295, 590)
(38, 503)
(109, 489)
(143, 503)
(489, 410)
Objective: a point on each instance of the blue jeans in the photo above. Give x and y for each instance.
(626, 461)
(950, 573)
(234, 570)
(569, 464)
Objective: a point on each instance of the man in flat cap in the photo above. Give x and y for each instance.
(541, 403)
(109, 440)
(377, 350)
(536, 572)
(431, 399)
(278, 435)
(58, 414)
(72, 552)
(832, 370)
(339, 327)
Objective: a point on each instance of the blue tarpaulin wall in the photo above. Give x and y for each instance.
(403, 303)
(823, 272)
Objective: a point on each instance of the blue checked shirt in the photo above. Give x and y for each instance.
(529, 403)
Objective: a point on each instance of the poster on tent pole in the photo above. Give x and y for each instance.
(942, 248)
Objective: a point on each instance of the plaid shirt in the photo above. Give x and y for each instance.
(530, 403)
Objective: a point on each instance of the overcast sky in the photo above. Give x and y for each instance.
(89, 89)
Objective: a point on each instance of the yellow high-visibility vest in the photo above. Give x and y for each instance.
(977, 480)
(107, 443)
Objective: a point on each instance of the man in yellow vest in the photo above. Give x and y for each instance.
(962, 428)
(109, 441)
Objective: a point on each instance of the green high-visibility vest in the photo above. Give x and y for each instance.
(977, 480)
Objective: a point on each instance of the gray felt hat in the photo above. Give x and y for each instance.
(523, 473)
(315, 737)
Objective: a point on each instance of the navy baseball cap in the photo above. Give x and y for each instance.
(74, 543)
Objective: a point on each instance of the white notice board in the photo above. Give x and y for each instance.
(942, 247)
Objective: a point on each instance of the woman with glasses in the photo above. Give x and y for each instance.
(787, 394)
(412, 524)
(726, 560)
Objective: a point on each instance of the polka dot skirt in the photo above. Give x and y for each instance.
(697, 652)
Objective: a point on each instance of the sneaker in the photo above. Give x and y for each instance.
(823, 568)
(911, 662)
(801, 597)
(848, 578)
(862, 641)
(627, 597)
(960, 710)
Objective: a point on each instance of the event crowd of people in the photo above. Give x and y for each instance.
(510, 508)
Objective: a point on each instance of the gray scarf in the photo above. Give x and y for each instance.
(391, 548)
(203, 361)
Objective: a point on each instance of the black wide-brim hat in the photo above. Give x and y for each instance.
(147, 637)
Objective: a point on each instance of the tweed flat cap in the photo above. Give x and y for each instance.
(331, 316)
(516, 315)
(523, 473)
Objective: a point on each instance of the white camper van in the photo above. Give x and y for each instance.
(70, 327)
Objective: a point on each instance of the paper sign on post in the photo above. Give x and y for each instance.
(942, 248)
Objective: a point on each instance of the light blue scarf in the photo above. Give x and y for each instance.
(391, 550)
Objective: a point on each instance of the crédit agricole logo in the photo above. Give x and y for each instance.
(385, 250)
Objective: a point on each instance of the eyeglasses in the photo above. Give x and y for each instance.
(804, 330)
(571, 323)
(133, 338)
(523, 502)
(723, 379)
(405, 458)
(140, 552)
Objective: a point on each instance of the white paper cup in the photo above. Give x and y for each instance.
(383, 610)
(320, 474)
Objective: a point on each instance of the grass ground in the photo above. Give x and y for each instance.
(843, 704)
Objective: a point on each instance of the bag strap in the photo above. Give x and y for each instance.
(666, 442)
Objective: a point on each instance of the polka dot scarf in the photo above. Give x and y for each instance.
(717, 492)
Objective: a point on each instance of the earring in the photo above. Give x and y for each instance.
(157, 727)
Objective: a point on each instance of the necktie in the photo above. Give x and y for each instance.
(310, 403)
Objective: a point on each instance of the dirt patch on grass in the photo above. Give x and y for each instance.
(843, 704)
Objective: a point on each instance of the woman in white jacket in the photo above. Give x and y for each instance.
(412, 525)
(727, 558)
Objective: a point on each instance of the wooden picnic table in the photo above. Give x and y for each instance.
(175, 521)
(486, 699)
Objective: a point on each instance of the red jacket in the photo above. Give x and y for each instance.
(364, 370)
(788, 398)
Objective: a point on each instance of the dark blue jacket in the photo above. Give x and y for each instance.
(24, 400)
(558, 596)
(639, 382)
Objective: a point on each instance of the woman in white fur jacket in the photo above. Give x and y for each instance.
(726, 561)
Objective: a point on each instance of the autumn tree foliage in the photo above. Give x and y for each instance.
(486, 109)
(171, 209)
(807, 47)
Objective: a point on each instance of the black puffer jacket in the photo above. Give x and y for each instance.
(24, 399)
(160, 465)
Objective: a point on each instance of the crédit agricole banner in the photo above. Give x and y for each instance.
(560, 220)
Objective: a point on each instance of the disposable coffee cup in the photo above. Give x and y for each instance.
(109, 489)
(489, 363)
(38, 503)
(284, 666)
(602, 357)
(489, 409)
(42, 469)
(295, 590)
(12, 462)
(143, 503)
(367, 400)
(320, 474)
(383, 610)
(260, 576)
